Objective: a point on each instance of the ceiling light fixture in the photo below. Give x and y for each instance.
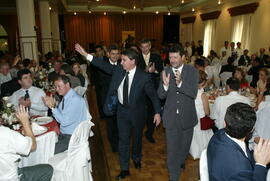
(134, 7)
(75, 13)
(97, 0)
(105, 13)
(124, 12)
(182, 1)
(157, 12)
(89, 12)
(219, 1)
(50, 8)
(169, 13)
(193, 9)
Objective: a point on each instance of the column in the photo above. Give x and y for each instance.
(27, 33)
(45, 23)
(56, 44)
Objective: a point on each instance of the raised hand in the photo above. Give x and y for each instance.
(177, 77)
(80, 50)
(22, 115)
(262, 152)
(165, 78)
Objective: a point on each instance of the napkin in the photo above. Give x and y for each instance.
(37, 129)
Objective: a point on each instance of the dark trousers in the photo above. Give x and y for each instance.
(112, 132)
(178, 145)
(62, 144)
(150, 118)
(41, 172)
(126, 131)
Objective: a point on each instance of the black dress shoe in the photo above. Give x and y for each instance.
(137, 164)
(123, 174)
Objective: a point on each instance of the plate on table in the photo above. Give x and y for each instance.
(37, 130)
(43, 120)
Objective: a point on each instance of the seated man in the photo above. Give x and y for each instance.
(70, 112)
(13, 144)
(228, 157)
(67, 70)
(29, 96)
(223, 102)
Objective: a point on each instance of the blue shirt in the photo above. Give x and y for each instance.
(73, 113)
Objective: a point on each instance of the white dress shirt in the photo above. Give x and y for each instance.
(112, 63)
(240, 143)
(13, 144)
(146, 58)
(37, 105)
(227, 50)
(189, 51)
(222, 103)
(120, 88)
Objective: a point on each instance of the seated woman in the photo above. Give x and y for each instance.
(76, 72)
(201, 137)
(240, 75)
(263, 75)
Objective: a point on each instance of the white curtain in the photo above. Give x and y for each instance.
(187, 32)
(241, 28)
(209, 36)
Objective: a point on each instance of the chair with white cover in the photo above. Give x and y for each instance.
(204, 176)
(268, 175)
(73, 164)
(224, 76)
(82, 92)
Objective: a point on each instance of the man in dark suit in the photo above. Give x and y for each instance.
(228, 157)
(152, 64)
(244, 59)
(263, 57)
(179, 86)
(131, 86)
(105, 79)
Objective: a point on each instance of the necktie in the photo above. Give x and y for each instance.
(63, 101)
(26, 96)
(125, 90)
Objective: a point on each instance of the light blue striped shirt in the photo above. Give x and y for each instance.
(73, 113)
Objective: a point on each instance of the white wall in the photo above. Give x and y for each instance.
(260, 32)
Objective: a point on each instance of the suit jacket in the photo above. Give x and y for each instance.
(8, 88)
(154, 58)
(242, 61)
(181, 99)
(141, 88)
(228, 162)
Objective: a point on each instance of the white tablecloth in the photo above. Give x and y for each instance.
(44, 151)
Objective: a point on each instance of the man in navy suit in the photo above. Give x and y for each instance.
(132, 86)
(229, 159)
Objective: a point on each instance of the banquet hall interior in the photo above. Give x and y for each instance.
(222, 38)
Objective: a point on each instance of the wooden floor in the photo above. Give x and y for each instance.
(106, 164)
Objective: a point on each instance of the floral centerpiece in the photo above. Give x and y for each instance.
(41, 79)
(8, 114)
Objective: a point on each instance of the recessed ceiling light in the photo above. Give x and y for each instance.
(124, 12)
(193, 9)
(182, 1)
(157, 12)
(169, 13)
(50, 8)
(134, 7)
(89, 12)
(219, 1)
(105, 13)
(75, 13)
(97, 0)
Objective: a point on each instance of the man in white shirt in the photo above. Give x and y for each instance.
(225, 48)
(13, 144)
(4, 73)
(29, 96)
(188, 49)
(223, 102)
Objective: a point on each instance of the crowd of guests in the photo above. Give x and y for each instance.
(148, 84)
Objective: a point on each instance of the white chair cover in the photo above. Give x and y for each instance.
(73, 163)
(80, 90)
(224, 76)
(204, 176)
(43, 152)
